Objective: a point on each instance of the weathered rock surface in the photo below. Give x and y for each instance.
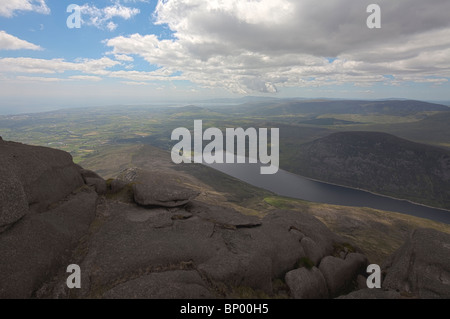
(313, 250)
(93, 179)
(157, 189)
(222, 245)
(38, 245)
(307, 284)
(43, 214)
(421, 267)
(372, 294)
(223, 216)
(117, 185)
(156, 194)
(361, 282)
(46, 175)
(177, 284)
(340, 273)
(136, 240)
(86, 173)
(13, 200)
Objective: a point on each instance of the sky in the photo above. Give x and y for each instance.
(148, 51)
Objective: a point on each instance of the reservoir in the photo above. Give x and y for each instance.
(287, 184)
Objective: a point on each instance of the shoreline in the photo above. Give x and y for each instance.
(443, 210)
(401, 200)
(370, 192)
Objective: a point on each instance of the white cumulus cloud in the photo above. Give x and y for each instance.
(9, 7)
(10, 42)
(102, 17)
(262, 45)
(23, 65)
(124, 57)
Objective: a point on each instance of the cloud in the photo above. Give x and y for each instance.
(135, 83)
(258, 85)
(262, 45)
(24, 65)
(140, 76)
(124, 57)
(86, 78)
(38, 79)
(247, 46)
(111, 26)
(89, 69)
(102, 17)
(10, 42)
(9, 7)
(42, 79)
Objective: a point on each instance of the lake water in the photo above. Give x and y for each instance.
(290, 185)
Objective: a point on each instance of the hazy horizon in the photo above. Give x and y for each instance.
(10, 111)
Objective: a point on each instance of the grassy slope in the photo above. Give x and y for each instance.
(378, 233)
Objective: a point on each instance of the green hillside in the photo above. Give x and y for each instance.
(378, 162)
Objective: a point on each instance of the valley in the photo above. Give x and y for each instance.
(83, 132)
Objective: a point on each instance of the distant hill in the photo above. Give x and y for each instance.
(378, 162)
(433, 129)
(318, 107)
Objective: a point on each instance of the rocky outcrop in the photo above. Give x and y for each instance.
(209, 250)
(333, 277)
(221, 246)
(34, 177)
(44, 211)
(340, 273)
(40, 244)
(13, 200)
(418, 269)
(93, 179)
(307, 284)
(421, 267)
(156, 189)
(158, 241)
